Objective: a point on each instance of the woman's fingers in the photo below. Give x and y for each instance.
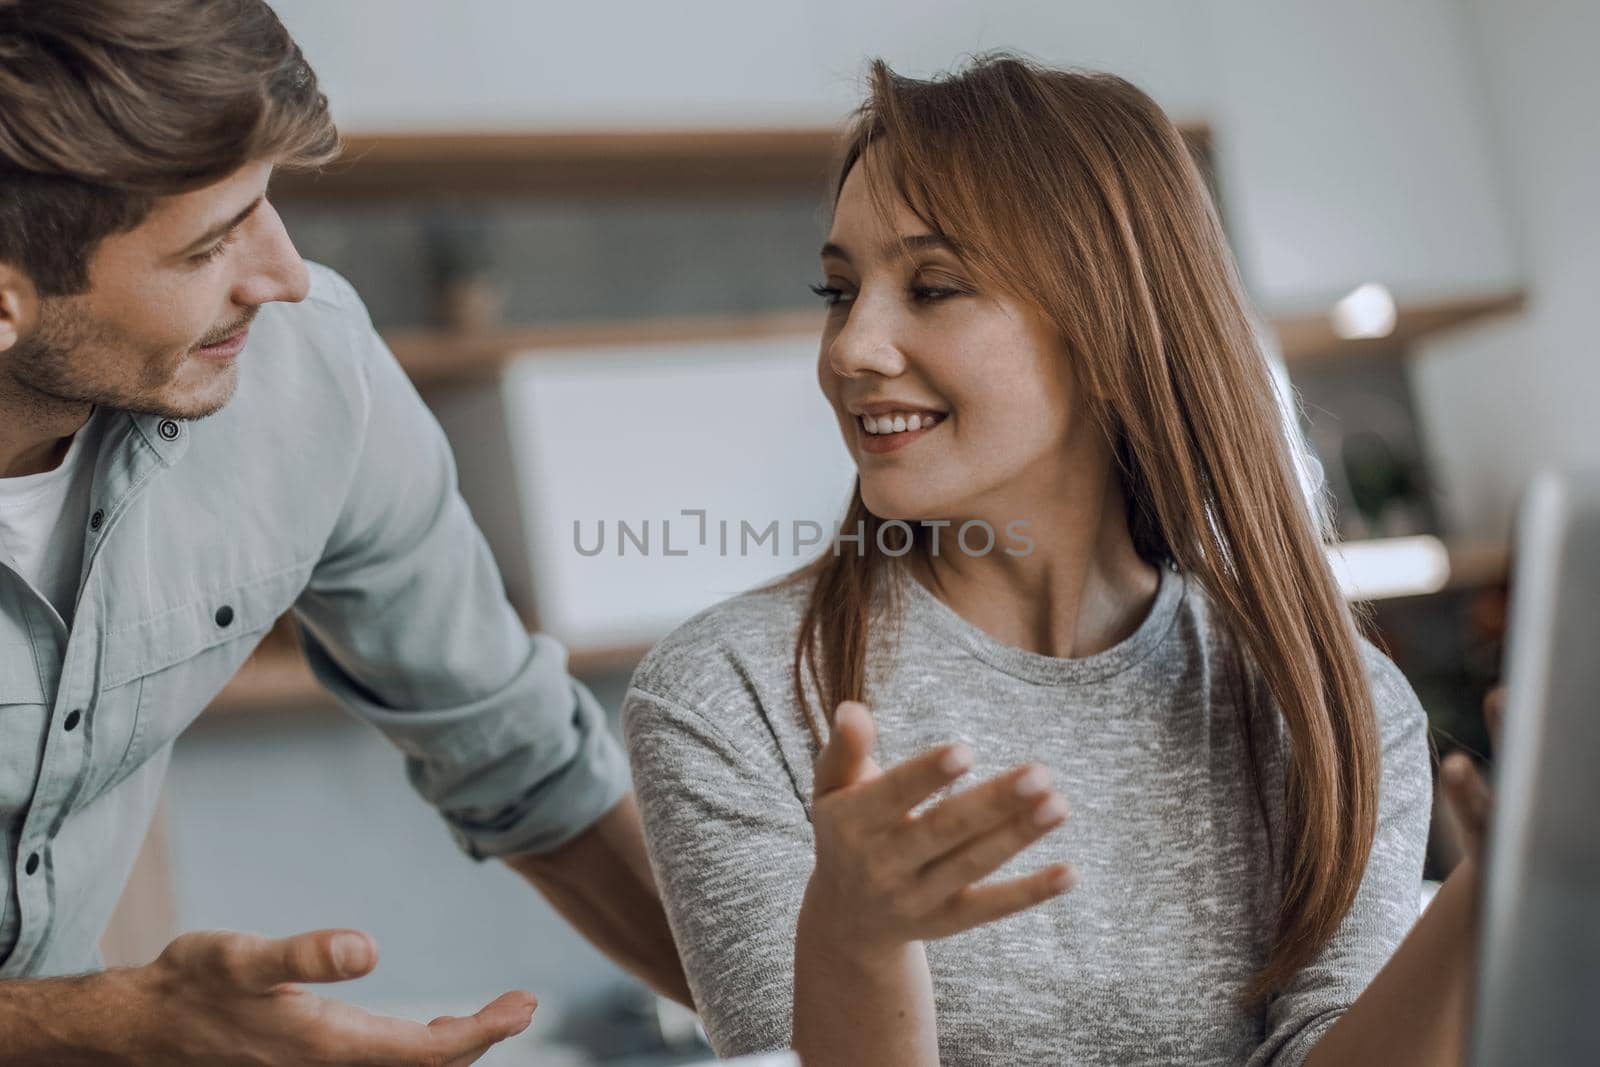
(886, 801)
(978, 905)
(1468, 799)
(1467, 795)
(909, 877)
(978, 859)
(959, 819)
(1494, 712)
(881, 799)
(847, 757)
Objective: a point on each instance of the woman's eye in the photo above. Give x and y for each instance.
(932, 294)
(831, 295)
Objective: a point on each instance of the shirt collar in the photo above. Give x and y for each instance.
(168, 437)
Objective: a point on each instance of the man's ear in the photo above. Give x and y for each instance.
(19, 306)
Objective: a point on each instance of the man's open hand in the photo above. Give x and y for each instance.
(221, 997)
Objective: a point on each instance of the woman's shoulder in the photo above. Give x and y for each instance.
(1399, 713)
(740, 650)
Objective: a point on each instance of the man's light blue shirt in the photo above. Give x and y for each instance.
(325, 486)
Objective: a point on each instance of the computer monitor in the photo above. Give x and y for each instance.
(1538, 995)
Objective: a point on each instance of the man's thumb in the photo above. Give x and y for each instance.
(847, 757)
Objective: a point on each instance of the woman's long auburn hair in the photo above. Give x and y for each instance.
(1074, 192)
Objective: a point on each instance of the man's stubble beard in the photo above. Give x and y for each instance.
(48, 363)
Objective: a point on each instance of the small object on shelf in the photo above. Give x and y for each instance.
(470, 301)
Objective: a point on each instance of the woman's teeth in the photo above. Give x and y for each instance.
(899, 422)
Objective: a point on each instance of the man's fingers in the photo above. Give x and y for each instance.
(978, 905)
(959, 819)
(847, 757)
(981, 857)
(390, 1042)
(253, 963)
(464, 1039)
(318, 956)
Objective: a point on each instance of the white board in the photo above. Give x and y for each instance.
(640, 435)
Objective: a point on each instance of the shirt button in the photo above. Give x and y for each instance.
(168, 430)
(32, 864)
(72, 719)
(224, 615)
(97, 520)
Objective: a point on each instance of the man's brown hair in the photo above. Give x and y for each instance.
(107, 105)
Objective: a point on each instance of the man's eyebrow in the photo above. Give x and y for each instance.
(900, 246)
(222, 227)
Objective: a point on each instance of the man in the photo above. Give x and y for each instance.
(198, 432)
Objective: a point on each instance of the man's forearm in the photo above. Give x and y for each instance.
(600, 882)
(60, 1021)
(1417, 1009)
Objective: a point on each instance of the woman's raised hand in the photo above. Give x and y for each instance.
(885, 877)
(1466, 793)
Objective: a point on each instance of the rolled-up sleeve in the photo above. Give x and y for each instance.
(406, 622)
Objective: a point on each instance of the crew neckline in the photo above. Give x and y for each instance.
(924, 606)
(24, 489)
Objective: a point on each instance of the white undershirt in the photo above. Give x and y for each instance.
(43, 517)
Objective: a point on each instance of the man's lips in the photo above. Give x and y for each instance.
(228, 347)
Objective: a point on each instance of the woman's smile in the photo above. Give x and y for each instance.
(893, 431)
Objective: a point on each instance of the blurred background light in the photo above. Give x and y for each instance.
(1368, 311)
(1390, 567)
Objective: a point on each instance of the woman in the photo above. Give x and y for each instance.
(1077, 566)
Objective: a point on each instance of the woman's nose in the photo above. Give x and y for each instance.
(866, 344)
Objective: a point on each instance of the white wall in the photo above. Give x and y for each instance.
(1354, 149)
(1502, 402)
(497, 64)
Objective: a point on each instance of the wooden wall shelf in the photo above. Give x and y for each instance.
(276, 677)
(618, 163)
(1309, 338)
(706, 162)
(438, 357)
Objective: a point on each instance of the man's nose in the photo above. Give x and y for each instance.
(274, 271)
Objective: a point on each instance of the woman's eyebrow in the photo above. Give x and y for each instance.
(899, 246)
(921, 242)
(835, 251)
